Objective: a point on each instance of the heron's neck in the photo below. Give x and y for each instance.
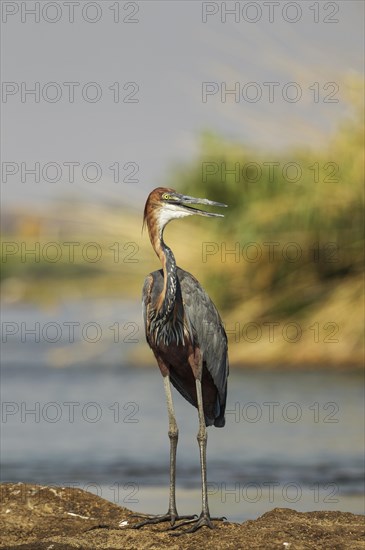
(167, 297)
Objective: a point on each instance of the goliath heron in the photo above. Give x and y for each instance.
(185, 332)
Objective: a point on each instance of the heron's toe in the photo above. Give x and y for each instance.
(203, 520)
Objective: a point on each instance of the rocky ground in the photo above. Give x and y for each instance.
(34, 517)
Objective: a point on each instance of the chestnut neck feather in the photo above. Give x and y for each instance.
(166, 301)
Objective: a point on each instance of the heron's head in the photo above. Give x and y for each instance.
(165, 204)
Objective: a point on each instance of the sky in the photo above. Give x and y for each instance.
(122, 91)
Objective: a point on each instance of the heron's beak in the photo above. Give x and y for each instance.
(184, 200)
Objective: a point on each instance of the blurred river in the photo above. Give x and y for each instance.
(291, 439)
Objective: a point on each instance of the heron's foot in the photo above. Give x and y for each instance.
(203, 520)
(160, 518)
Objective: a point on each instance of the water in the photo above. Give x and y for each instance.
(291, 439)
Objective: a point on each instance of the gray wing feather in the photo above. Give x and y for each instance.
(208, 327)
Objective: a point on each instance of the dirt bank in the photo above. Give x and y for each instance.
(34, 517)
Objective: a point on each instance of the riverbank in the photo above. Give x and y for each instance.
(35, 517)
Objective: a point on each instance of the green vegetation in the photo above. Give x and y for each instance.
(291, 248)
(297, 219)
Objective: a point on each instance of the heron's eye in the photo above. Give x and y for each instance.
(166, 196)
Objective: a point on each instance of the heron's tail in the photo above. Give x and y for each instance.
(220, 422)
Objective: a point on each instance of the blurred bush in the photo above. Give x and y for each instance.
(312, 199)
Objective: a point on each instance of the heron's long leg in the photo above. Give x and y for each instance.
(202, 440)
(204, 518)
(202, 437)
(174, 436)
(172, 514)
